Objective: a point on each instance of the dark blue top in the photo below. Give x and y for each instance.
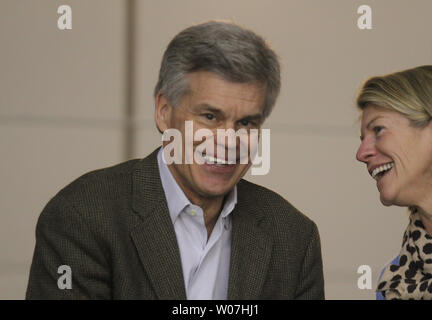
(379, 295)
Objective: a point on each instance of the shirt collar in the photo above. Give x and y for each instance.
(229, 202)
(177, 200)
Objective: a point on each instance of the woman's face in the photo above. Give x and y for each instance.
(398, 156)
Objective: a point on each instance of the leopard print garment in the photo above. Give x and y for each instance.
(412, 277)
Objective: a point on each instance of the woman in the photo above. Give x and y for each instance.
(396, 146)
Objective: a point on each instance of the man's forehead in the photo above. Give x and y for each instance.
(225, 95)
(203, 82)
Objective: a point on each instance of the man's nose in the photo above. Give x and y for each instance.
(229, 124)
(225, 136)
(366, 150)
(228, 128)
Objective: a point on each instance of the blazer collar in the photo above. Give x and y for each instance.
(155, 237)
(251, 247)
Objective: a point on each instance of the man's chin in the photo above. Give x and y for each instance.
(215, 187)
(214, 191)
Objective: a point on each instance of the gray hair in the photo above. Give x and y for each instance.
(230, 51)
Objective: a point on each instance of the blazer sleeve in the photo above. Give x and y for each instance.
(64, 238)
(311, 284)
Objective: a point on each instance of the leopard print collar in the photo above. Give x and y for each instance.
(411, 278)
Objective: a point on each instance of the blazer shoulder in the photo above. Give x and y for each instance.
(273, 205)
(95, 191)
(101, 177)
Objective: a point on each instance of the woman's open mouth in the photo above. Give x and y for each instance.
(382, 170)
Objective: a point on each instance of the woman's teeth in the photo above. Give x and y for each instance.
(382, 169)
(212, 160)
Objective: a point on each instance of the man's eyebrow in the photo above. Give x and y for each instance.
(257, 116)
(207, 107)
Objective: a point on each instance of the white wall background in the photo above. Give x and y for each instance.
(63, 98)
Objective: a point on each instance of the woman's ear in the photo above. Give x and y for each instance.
(426, 133)
(429, 127)
(162, 112)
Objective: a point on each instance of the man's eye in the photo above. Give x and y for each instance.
(209, 116)
(245, 123)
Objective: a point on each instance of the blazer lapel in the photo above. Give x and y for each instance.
(155, 237)
(250, 250)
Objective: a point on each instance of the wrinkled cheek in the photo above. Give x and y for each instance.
(243, 168)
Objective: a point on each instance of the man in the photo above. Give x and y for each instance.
(152, 229)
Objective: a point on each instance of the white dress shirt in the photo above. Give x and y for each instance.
(205, 262)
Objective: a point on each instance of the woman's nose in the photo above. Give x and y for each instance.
(366, 150)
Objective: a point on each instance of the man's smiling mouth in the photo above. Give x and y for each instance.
(212, 160)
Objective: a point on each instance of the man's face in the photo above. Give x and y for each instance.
(211, 103)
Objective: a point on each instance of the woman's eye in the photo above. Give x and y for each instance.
(377, 129)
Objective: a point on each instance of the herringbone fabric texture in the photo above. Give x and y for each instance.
(112, 227)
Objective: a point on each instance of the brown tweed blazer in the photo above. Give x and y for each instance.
(112, 227)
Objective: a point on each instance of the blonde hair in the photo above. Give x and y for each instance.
(408, 92)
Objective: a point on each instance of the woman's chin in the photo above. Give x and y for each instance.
(386, 199)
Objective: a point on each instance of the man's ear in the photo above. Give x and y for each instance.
(162, 112)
